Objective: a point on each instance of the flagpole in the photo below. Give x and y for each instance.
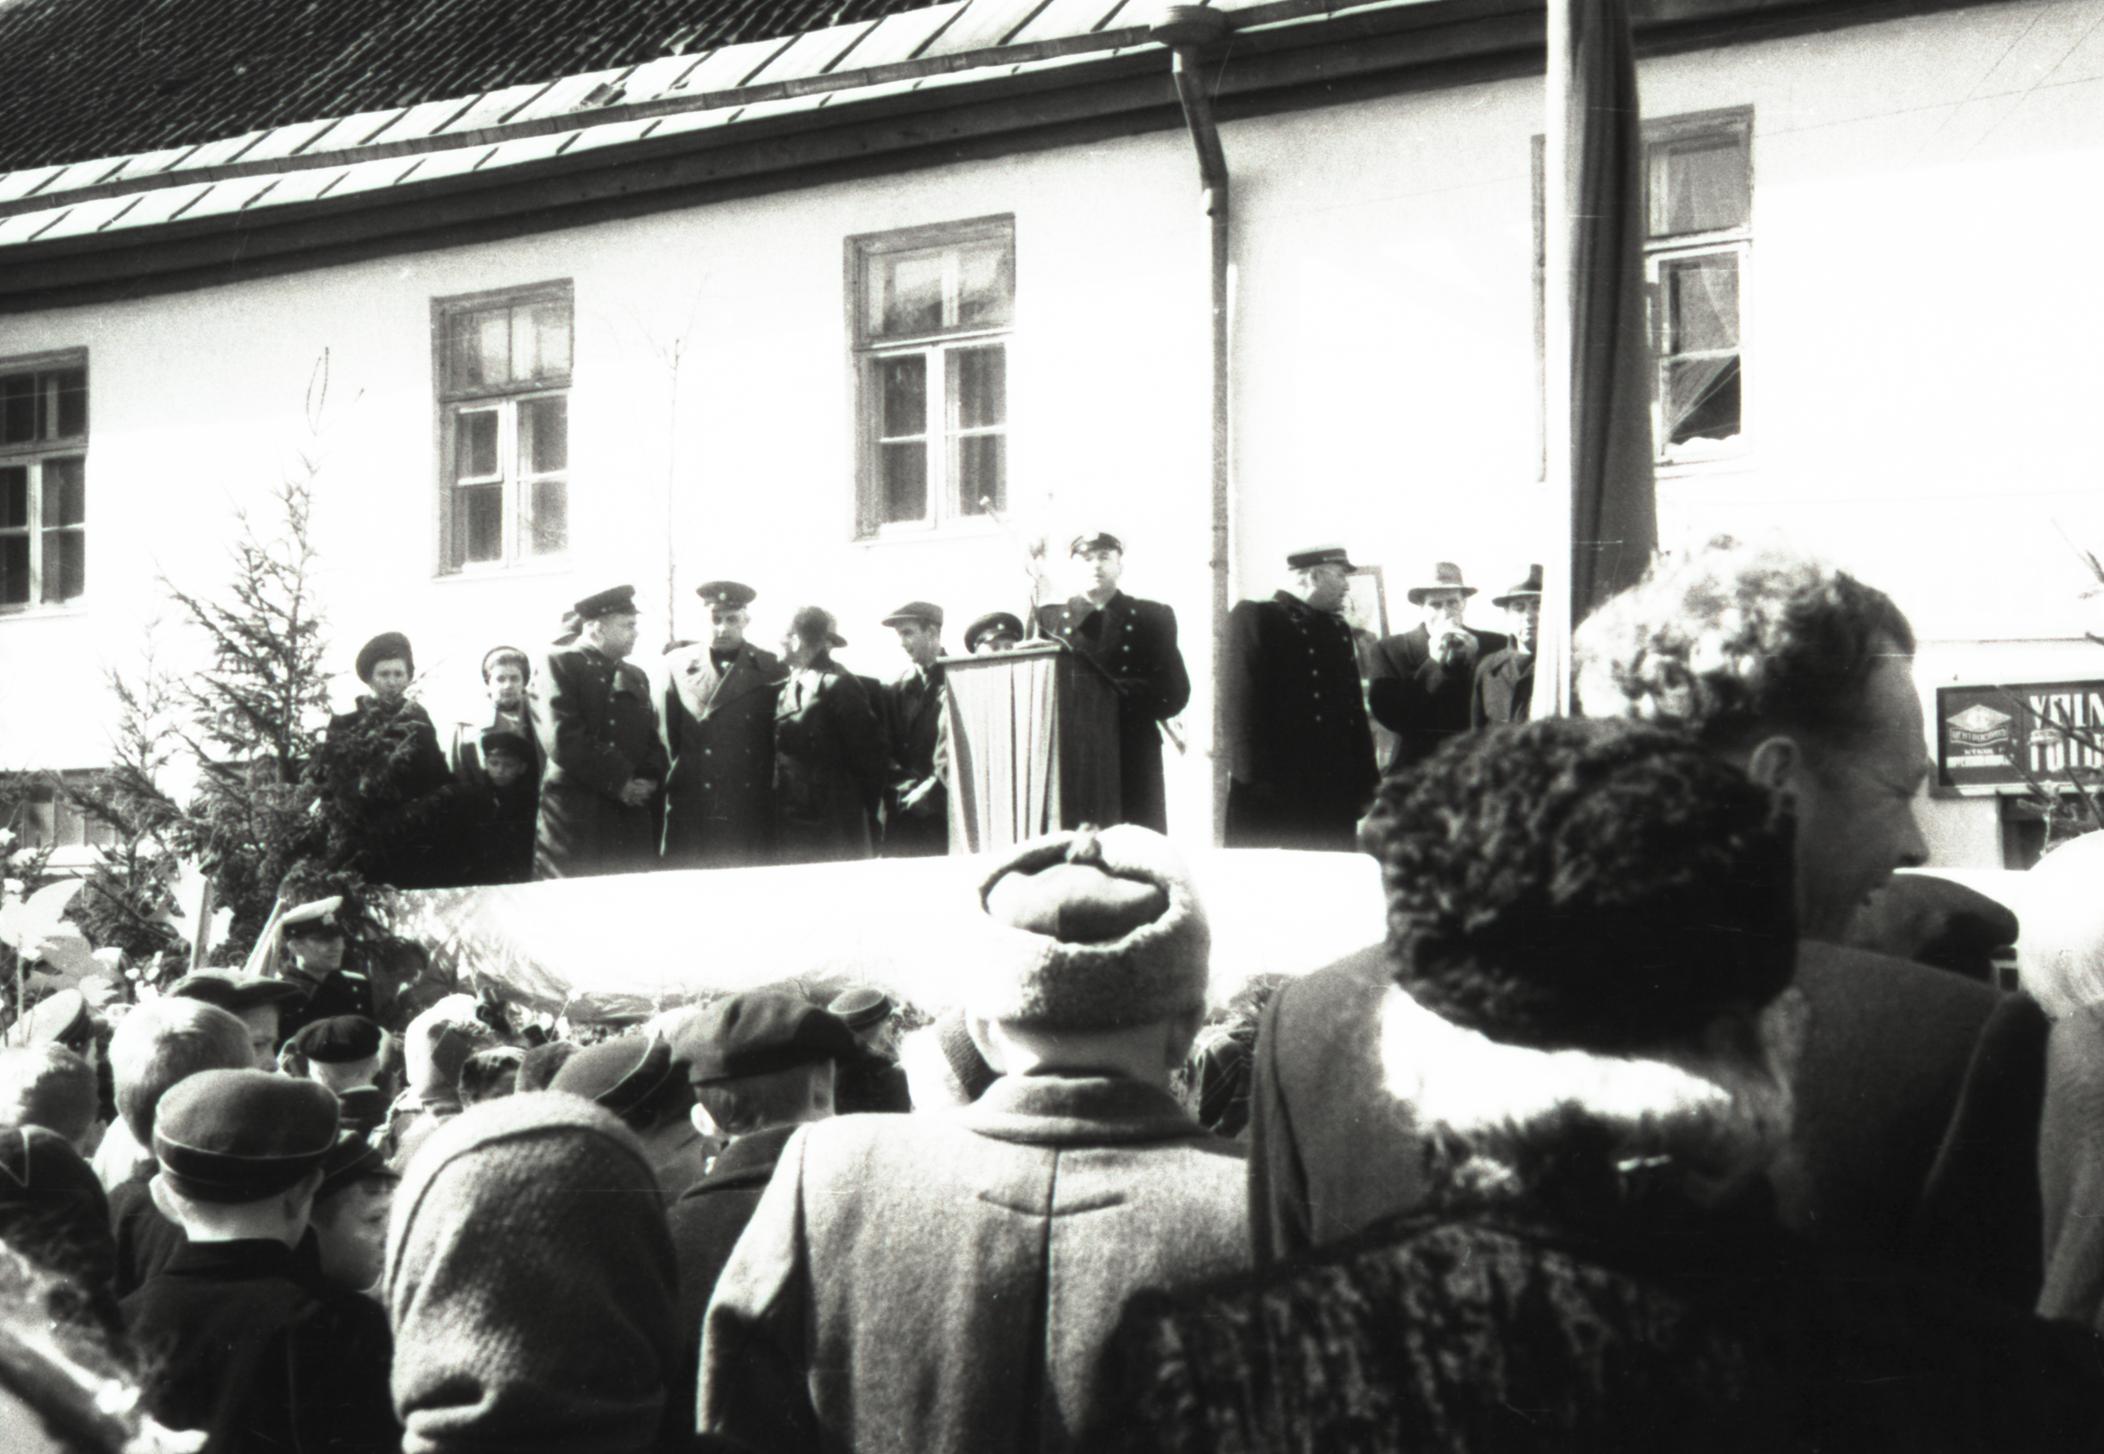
(1552, 672)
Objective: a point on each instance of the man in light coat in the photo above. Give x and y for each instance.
(719, 727)
(946, 1282)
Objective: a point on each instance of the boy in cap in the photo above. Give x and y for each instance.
(916, 802)
(344, 1053)
(1006, 1235)
(872, 1080)
(262, 1005)
(637, 1077)
(761, 1064)
(245, 1339)
(719, 723)
(350, 1212)
(599, 738)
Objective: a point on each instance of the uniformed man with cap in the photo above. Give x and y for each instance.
(1504, 686)
(719, 727)
(599, 736)
(242, 1337)
(1300, 753)
(262, 1005)
(639, 1079)
(916, 800)
(314, 936)
(1419, 682)
(993, 633)
(343, 1053)
(1134, 641)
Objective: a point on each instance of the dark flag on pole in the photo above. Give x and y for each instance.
(1598, 369)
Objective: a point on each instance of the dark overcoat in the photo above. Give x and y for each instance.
(1504, 688)
(1300, 752)
(719, 798)
(1134, 641)
(829, 763)
(597, 731)
(245, 1340)
(913, 707)
(1419, 698)
(706, 1223)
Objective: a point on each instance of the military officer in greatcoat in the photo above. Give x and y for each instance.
(1504, 687)
(1419, 683)
(1134, 641)
(598, 733)
(719, 726)
(916, 801)
(1299, 748)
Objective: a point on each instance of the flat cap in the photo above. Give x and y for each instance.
(338, 1040)
(624, 1075)
(1316, 555)
(731, 595)
(387, 646)
(242, 1135)
(613, 601)
(993, 623)
(925, 612)
(509, 742)
(57, 1019)
(758, 1032)
(860, 1007)
(352, 1159)
(1100, 540)
(236, 992)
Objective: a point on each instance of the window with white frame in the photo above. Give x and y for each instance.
(43, 482)
(933, 310)
(504, 436)
(1698, 204)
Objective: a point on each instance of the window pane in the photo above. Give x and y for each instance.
(479, 353)
(1702, 303)
(551, 517)
(903, 485)
(908, 295)
(475, 444)
(985, 285)
(478, 523)
(66, 400)
(65, 565)
(979, 386)
(544, 434)
(903, 386)
(541, 340)
(982, 473)
(65, 492)
(1699, 184)
(1701, 399)
(18, 408)
(14, 570)
(14, 496)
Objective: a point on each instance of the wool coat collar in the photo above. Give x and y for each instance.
(1080, 1110)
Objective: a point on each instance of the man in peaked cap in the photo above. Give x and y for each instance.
(1300, 753)
(1504, 686)
(761, 1064)
(873, 1080)
(638, 1078)
(916, 800)
(1134, 641)
(315, 940)
(1075, 1180)
(261, 1004)
(599, 737)
(719, 705)
(343, 1053)
(245, 1339)
(1419, 683)
(995, 632)
(60, 1018)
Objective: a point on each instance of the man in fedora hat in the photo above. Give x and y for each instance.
(1504, 690)
(1420, 681)
(1134, 641)
(719, 727)
(598, 733)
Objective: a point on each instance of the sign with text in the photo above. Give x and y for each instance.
(1989, 738)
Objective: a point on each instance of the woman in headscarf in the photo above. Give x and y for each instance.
(829, 754)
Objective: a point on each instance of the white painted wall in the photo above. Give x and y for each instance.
(1921, 307)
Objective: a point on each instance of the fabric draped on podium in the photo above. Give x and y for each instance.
(1032, 747)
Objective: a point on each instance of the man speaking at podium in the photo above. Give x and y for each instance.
(1134, 641)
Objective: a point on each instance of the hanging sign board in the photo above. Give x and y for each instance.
(1989, 738)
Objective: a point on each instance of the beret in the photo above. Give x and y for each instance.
(56, 1018)
(361, 1108)
(236, 992)
(993, 623)
(538, 1066)
(926, 612)
(758, 1032)
(387, 646)
(613, 601)
(1093, 929)
(860, 1007)
(1319, 555)
(1100, 540)
(242, 1135)
(338, 1040)
(624, 1074)
(726, 593)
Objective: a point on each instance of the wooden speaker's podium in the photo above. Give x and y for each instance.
(1033, 745)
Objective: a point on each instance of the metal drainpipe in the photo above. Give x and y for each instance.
(1189, 31)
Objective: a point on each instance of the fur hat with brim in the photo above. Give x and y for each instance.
(1091, 930)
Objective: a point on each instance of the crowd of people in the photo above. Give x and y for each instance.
(1648, 1126)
